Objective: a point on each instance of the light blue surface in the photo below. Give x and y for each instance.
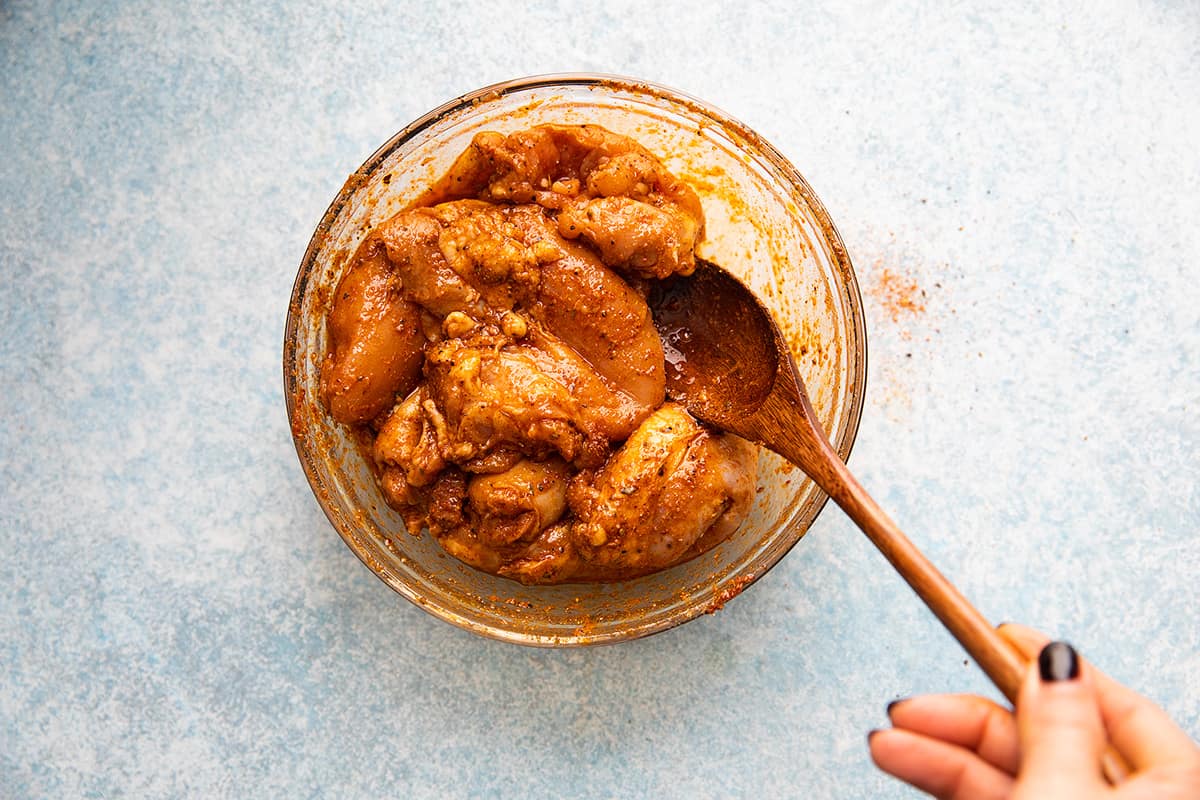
(177, 618)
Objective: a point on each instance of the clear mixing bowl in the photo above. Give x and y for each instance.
(764, 224)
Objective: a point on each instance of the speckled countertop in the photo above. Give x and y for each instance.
(1017, 184)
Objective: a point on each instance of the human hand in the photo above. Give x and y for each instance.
(957, 747)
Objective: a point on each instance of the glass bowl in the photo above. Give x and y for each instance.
(764, 224)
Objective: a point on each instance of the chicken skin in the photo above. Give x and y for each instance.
(375, 341)
(669, 484)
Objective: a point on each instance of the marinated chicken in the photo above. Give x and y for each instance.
(494, 343)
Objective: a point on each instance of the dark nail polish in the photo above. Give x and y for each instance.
(893, 704)
(1058, 661)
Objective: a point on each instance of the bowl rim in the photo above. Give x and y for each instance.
(841, 259)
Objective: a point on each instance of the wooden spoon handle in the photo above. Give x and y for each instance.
(806, 446)
(998, 659)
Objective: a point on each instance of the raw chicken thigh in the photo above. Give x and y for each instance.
(495, 343)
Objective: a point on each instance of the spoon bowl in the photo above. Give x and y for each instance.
(720, 384)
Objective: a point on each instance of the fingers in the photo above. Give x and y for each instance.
(1138, 729)
(943, 770)
(958, 746)
(1059, 727)
(951, 746)
(968, 721)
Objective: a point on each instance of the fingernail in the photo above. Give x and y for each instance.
(893, 704)
(871, 735)
(1002, 624)
(1058, 661)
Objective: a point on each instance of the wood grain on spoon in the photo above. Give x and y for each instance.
(728, 364)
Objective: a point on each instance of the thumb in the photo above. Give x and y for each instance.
(1058, 723)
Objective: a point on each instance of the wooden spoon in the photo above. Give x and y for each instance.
(729, 365)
